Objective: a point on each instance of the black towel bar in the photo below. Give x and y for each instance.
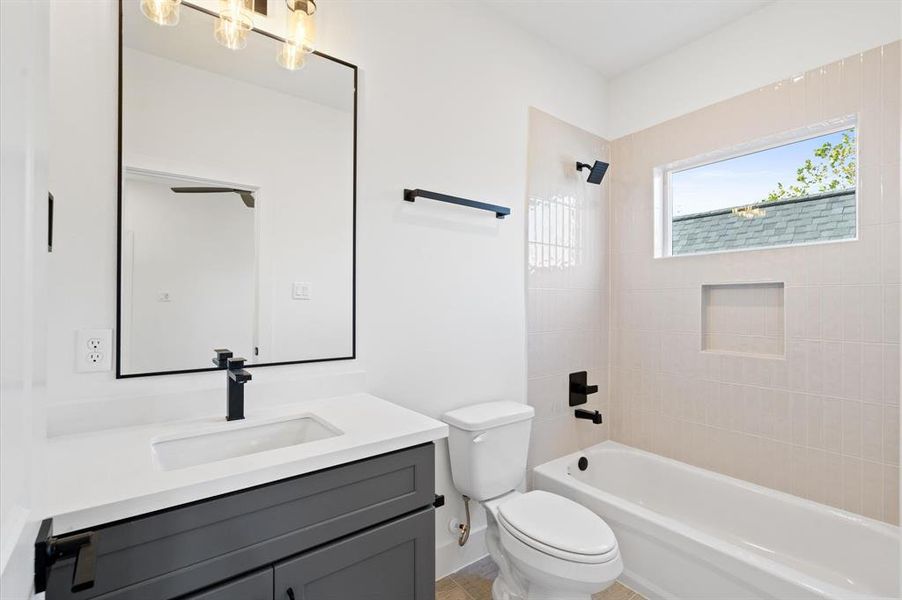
(500, 211)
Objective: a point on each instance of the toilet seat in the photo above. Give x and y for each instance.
(558, 527)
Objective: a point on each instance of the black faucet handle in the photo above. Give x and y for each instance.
(236, 362)
(580, 388)
(240, 375)
(222, 357)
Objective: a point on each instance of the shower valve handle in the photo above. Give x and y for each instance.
(580, 388)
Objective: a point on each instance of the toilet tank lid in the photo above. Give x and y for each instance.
(477, 417)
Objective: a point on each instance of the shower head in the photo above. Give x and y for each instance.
(596, 171)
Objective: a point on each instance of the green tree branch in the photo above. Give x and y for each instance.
(833, 168)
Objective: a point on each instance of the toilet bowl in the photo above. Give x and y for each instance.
(553, 548)
(547, 547)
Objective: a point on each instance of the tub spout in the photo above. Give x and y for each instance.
(593, 416)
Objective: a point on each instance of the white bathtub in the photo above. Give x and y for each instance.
(689, 533)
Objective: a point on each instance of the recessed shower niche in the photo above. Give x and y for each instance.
(744, 318)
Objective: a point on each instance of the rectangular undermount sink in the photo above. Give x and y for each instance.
(238, 439)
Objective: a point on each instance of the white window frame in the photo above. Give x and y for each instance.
(663, 209)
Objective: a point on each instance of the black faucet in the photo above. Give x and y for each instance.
(238, 376)
(593, 416)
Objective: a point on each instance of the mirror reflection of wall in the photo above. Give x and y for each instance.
(274, 283)
(179, 252)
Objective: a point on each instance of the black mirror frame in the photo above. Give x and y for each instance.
(118, 340)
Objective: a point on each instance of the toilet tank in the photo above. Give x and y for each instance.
(488, 444)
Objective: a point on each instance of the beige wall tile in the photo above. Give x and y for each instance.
(828, 408)
(851, 482)
(872, 491)
(891, 494)
(568, 291)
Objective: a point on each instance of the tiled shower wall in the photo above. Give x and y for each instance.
(568, 294)
(823, 421)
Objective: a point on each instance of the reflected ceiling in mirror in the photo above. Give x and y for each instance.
(237, 200)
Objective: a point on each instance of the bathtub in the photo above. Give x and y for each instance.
(689, 533)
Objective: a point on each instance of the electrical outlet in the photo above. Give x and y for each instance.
(93, 350)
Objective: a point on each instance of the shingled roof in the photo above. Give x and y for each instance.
(818, 217)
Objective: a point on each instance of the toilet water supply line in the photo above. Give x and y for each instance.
(465, 527)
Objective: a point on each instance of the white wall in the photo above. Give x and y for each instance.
(23, 252)
(783, 39)
(444, 96)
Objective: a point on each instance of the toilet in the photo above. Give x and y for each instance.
(547, 547)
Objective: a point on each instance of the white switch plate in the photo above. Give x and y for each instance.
(93, 350)
(300, 290)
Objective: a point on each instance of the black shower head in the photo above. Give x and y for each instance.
(596, 171)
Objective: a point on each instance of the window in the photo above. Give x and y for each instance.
(792, 189)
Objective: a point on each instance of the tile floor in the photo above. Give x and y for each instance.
(474, 582)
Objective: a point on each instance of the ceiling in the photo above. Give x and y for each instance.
(614, 36)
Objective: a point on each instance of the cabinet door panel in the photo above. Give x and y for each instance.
(256, 586)
(394, 561)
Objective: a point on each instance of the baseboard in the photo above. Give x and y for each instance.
(451, 557)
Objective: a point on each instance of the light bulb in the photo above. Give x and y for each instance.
(161, 12)
(291, 57)
(301, 24)
(301, 36)
(236, 19)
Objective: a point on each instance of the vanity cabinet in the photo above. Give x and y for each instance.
(256, 586)
(359, 530)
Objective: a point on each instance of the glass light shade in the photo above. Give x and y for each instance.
(301, 36)
(161, 12)
(302, 26)
(236, 19)
(292, 57)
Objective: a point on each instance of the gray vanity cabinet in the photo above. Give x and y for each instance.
(256, 586)
(359, 530)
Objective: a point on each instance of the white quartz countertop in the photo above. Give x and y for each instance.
(96, 478)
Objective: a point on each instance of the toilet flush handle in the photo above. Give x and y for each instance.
(480, 438)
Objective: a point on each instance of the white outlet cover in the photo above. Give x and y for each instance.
(300, 290)
(93, 350)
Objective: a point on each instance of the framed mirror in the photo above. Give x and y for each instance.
(237, 200)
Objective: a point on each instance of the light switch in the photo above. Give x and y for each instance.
(300, 290)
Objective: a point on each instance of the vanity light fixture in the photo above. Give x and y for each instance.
(236, 19)
(161, 12)
(301, 37)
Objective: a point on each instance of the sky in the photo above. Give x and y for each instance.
(741, 180)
